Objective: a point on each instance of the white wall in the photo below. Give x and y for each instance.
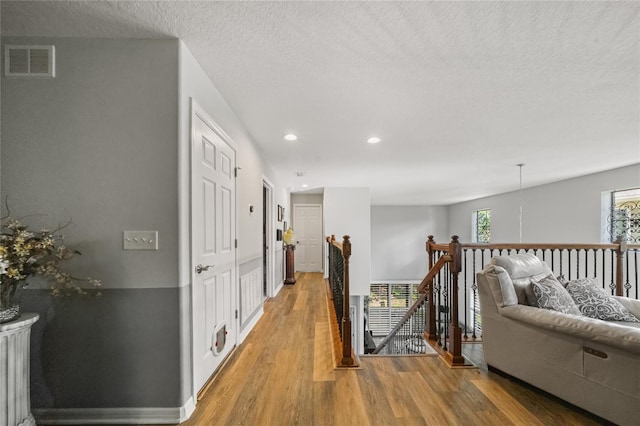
(347, 211)
(194, 83)
(398, 240)
(563, 212)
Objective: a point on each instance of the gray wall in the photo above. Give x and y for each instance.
(106, 143)
(568, 211)
(398, 236)
(97, 144)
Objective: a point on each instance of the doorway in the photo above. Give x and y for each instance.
(214, 298)
(267, 238)
(308, 227)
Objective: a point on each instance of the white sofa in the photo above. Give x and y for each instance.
(591, 363)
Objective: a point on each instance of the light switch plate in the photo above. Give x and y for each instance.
(140, 240)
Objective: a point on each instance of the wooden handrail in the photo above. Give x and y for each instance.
(539, 246)
(433, 271)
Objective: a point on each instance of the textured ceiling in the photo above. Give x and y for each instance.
(459, 92)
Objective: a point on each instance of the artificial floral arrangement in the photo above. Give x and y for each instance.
(24, 253)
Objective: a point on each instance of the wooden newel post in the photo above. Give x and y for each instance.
(430, 317)
(347, 357)
(455, 332)
(329, 267)
(620, 253)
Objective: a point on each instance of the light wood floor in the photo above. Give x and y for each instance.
(283, 375)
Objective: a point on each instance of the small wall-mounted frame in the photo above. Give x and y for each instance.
(278, 234)
(280, 213)
(284, 226)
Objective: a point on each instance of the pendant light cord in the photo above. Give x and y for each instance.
(521, 200)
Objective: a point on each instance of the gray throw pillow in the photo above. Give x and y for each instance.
(551, 295)
(594, 302)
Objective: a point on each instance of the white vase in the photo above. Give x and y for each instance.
(14, 367)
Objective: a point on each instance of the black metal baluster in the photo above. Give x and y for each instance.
(560, 258)
(446, 306)
(466, 296)
(604, 277)
(635, 257)
(627, 284)
(612, 284)
(474, 287)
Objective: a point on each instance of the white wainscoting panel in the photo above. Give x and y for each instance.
(251, 294)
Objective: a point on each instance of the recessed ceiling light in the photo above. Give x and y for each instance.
(290, 137)
(374, 140)
(305, 186)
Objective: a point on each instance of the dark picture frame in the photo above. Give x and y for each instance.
(280, 213)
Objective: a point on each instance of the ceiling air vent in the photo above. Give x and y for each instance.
(29, 61)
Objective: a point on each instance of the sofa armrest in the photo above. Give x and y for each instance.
(624, 336)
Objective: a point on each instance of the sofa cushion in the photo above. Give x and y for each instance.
(550, 294)
(594, 302)
(507, 289)
(617, 334)
(522, 265)
(521, 270)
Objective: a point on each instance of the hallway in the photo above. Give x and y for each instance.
(283, 375)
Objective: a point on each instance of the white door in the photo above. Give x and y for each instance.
(308, 229)
(214, 290)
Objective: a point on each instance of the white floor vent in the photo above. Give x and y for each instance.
(29, 61)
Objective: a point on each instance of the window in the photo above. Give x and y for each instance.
(624, 217)
(388, 302)
(481, 226)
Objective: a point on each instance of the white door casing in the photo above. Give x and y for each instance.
(308, 229)
(213, 233)
(271, 240)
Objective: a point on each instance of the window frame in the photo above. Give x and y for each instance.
(475, 226)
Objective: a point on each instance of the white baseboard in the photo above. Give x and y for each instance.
(277, 289)
(96, 416)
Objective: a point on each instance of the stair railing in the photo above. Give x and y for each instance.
(338, 277)
(441, 280)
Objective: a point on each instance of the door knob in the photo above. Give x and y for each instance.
(200, 269)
